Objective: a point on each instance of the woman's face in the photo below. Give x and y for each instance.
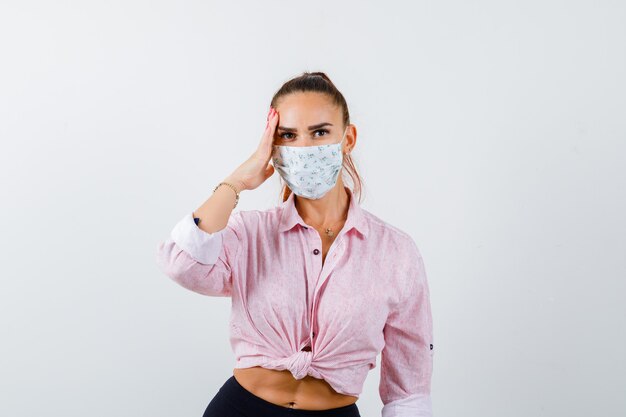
(309, 119)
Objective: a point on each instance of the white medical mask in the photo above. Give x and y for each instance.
(309, 171)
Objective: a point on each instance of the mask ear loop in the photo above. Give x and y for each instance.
(344, 136)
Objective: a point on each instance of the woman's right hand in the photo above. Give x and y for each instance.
(257, 168)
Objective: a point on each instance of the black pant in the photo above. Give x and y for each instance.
(233, 400)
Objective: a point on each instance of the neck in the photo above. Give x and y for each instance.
(331, 208)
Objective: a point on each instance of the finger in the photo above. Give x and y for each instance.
(273, 123)
(267, 138)
(264, 138)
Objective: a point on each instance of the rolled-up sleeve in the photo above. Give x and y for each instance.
(407, 357)
(199, 261)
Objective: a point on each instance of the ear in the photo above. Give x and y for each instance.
(350, 138)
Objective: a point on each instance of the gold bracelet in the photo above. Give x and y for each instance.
(234, 189)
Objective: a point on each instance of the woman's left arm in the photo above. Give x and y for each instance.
(407, 357)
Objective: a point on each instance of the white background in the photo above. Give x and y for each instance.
(493, 132)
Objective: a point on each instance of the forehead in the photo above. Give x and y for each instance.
(303, 109)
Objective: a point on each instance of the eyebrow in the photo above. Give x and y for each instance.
(313, 127)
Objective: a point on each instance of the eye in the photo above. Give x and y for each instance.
(326, 132)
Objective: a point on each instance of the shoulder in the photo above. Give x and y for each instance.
(400, 253)
(254, 219)
(259, 214)
(388, 234)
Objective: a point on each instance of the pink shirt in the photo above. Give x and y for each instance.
(329, 321)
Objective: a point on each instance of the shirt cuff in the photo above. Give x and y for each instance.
(201, 246)
(417, 405)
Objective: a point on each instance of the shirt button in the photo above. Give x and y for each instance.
(316, 251)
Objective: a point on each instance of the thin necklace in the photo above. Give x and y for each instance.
(329, 231)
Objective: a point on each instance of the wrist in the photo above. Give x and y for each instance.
(240, 185)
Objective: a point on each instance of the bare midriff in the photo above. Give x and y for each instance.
(281, 388)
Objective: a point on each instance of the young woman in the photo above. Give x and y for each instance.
(319, 285)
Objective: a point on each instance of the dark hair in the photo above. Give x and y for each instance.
(319, 82)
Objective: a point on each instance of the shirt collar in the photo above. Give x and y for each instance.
(356, 218)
